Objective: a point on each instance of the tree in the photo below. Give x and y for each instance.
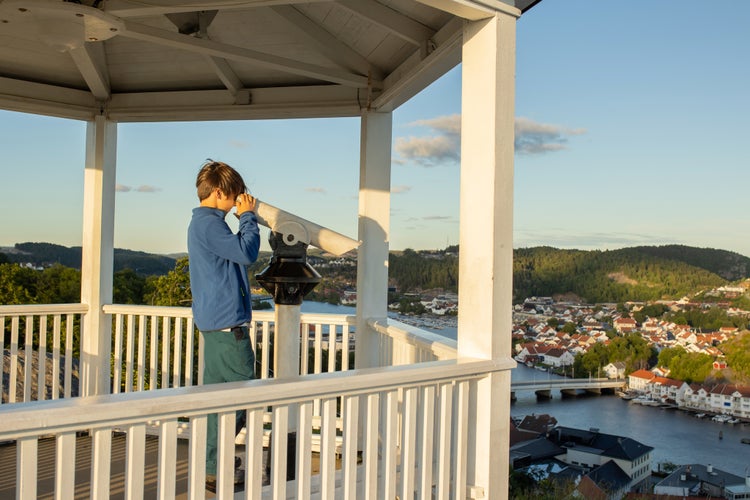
(172, 289)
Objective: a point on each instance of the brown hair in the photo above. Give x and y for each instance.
(217, 174)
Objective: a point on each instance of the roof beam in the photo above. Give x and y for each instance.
(90, 60)
(327, 44)
(472, 10)
(137, 8)
(389, 19)
(239, 54)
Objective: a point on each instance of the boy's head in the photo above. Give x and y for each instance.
(218, 175)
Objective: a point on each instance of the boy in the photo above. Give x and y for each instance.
(220, 286)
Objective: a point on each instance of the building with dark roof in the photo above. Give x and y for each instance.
(704, 480)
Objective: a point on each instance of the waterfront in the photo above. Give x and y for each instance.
(676, 436)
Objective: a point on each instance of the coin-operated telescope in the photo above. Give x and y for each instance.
(288, 278)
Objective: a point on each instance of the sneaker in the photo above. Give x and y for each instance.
(239, 477)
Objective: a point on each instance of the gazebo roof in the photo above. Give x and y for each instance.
(162, 60)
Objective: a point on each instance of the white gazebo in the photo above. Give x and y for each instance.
(418, 416)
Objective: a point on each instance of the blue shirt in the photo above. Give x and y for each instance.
(218, 274)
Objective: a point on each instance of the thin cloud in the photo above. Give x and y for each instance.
(562, 238)
(443, 146)
(400, 189)
(538, 138)
(437, 217)
(238, 144)
(143, 188)
(315, 190)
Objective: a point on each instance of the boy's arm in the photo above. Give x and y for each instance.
(242, 247)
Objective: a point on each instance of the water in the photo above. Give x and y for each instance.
(676, 436)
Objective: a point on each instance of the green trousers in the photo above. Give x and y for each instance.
(227, 357)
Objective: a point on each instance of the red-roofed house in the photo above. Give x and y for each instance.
(625, 325)
(639, 379)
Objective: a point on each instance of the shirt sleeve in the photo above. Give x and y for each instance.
(241, 247)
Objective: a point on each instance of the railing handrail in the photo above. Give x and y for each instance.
(442, 347)
(186, 312)
(67, 415)
(33, 309)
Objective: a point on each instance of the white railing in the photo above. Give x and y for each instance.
(39, 344)
(402, 344)
(407, 425)
(142, 360)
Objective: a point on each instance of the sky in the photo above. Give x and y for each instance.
(631, 129)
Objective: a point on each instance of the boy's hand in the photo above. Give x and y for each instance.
(245, 203)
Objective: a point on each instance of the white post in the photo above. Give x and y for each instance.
(486, 240)
(374, 231)
(97, 254)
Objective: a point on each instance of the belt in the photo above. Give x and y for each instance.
(243, 325)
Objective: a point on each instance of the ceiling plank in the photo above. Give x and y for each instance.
(420, 70)
(239, 54)
(400, 25)
(327, 44)
(129, 9)
(50, 100)
(91, 62)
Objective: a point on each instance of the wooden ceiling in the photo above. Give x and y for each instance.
(162, 60)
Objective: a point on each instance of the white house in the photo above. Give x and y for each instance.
(615, 370)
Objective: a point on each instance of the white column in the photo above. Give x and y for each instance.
(97, 254)
(374, 230)
(486, 238)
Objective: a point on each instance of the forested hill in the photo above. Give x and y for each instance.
(45, 254)
(637, 273)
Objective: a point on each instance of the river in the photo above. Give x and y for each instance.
(676, 436)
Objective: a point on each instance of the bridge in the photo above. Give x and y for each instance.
(567, 387)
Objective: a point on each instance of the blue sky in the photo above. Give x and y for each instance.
(632, 120)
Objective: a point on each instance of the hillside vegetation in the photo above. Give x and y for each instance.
(628, 274)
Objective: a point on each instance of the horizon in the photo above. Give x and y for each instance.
(177, 255)
(629, 132)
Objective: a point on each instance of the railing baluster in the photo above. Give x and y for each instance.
(101, 455)
(165, 344)
(117, 354)
(189, 351)
(331, 348)
(41, 385)
(444, 452)
(344, 347)
(304, 445)
(409, 441)
(390, 444)
(177, 365)
(328, 449)
(349, 449)
(462, 436)
(26, 468)
(28, 356)
(304, 341)
(254, 453)
(65, 466)
(153, 374)
(69, 355)
(279, 437)
(2, 349)
(129, 354)
(225, 454)
(56, 324)
(165, 483)
(371, 452)
(264, 365)
(197, 458)
(135, 453)
(141, 361)
(424, 470)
